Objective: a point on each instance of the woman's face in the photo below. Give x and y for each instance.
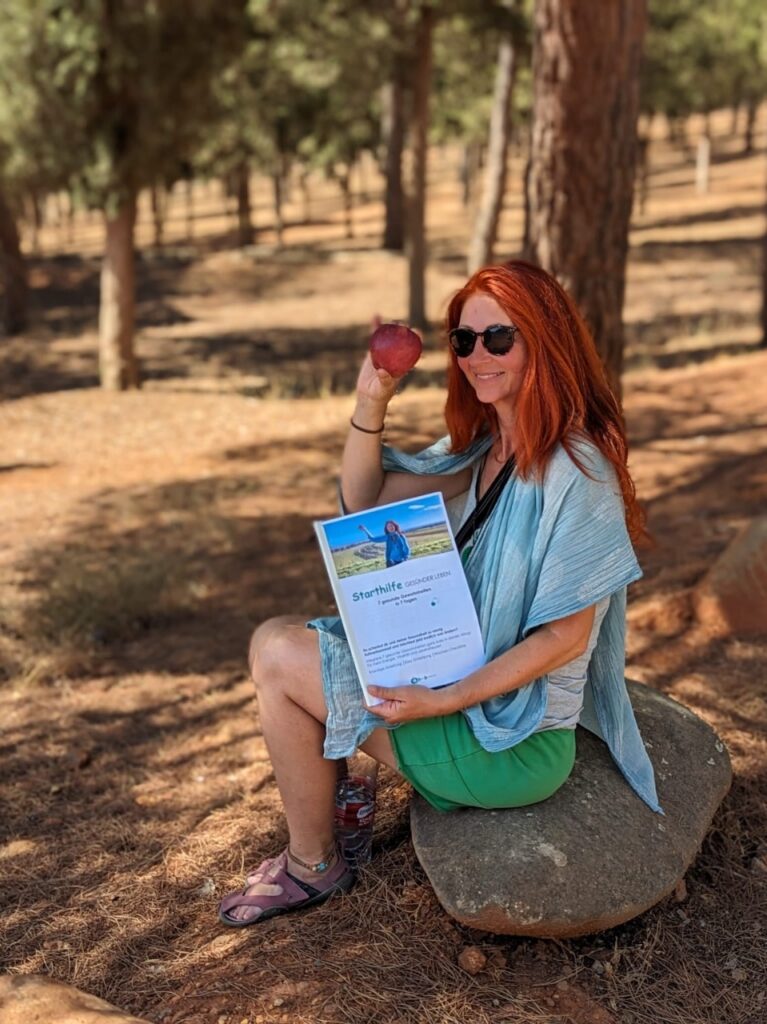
(390, 527)
(495, 379)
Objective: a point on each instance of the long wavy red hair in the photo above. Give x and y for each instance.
(564, 394)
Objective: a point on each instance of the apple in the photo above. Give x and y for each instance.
(395, 348)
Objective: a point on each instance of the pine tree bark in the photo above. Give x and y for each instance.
(344, 183)
(118, 367)
(764, 286)
(13, 272)
(752, 109)
(486, 224)
(245, 232)
(585, 111)
(415, 246)
(158, 199)
(393, 132)
(279, 224)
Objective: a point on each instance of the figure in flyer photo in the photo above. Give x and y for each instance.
(397, 547)
(534, 477)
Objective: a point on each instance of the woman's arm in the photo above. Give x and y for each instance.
(364, 484)
(547, 648)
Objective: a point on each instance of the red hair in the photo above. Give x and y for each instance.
(565, 392)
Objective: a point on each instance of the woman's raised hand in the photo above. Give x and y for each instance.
(375, 386)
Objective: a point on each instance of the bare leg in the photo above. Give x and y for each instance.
(285, 666)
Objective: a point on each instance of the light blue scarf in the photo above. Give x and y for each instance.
(550, 548)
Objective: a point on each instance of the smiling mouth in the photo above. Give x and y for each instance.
(488, 376)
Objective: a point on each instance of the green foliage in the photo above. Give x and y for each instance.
(465, 55)
(702, 56)
(305, 86)
(106, 96)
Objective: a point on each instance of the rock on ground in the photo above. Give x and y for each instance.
(593, 855)
(35, 999)
(732, 596)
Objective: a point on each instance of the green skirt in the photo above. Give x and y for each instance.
(443, 761)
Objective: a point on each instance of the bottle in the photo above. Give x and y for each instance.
(354, 814)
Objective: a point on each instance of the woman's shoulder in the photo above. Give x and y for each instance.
(576, 459)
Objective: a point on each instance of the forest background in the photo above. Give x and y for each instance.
(212, 201)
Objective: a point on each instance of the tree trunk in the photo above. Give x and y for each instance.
(279, 225)
(306, 197)
(585, 110)
(36, 207)
(158, 197)
(752, 108)
(71, 209)
(344, 181)
(489, 213)
(703, 161)
(643, 169)
(393, 132)
(13, 273)
(245, 233)
(416, 200)
(764, 285)
(189, 191)
(118, 367)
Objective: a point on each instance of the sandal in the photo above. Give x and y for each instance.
(282, 892)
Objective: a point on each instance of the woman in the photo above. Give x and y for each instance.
(534, 474)
(397, 547)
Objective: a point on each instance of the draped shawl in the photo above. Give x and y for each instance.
(551, 547)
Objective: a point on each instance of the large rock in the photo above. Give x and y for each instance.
(35, 999)
(732, 596)
(593, 855)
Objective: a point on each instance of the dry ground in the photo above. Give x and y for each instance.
(146, 533)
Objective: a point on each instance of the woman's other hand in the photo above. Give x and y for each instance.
(408, 703)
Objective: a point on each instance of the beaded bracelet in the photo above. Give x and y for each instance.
(365, 430)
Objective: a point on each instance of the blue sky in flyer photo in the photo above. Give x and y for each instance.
(409, 515)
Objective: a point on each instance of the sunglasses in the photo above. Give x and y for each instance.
(497, 339)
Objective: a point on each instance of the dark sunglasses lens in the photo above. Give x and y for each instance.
(462, 341)
(499, 339)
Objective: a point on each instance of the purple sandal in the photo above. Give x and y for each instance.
(282, 892)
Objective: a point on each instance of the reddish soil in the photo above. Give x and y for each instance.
(146, 533)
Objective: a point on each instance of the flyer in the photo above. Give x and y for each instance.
(402, 594)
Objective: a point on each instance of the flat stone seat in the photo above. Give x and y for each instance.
(593, 855)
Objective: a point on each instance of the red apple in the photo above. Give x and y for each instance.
(395, 348)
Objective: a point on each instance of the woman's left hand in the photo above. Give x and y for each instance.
(408, 703)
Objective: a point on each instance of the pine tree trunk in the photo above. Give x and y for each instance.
(585, 111)
(489, 213)
(277, 197)
(157, 197)
(416, 200)
(703, 161)
(764, 285)
(643, 171)
(189, 207)
(13, 273)
(37, 219)
(752, 108)
(306, 197)
(118, 368)
(344, 181)
(393, 132)
(245, 232)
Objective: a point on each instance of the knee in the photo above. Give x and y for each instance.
(269, 653)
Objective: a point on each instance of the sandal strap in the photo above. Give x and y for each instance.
(292, 891)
